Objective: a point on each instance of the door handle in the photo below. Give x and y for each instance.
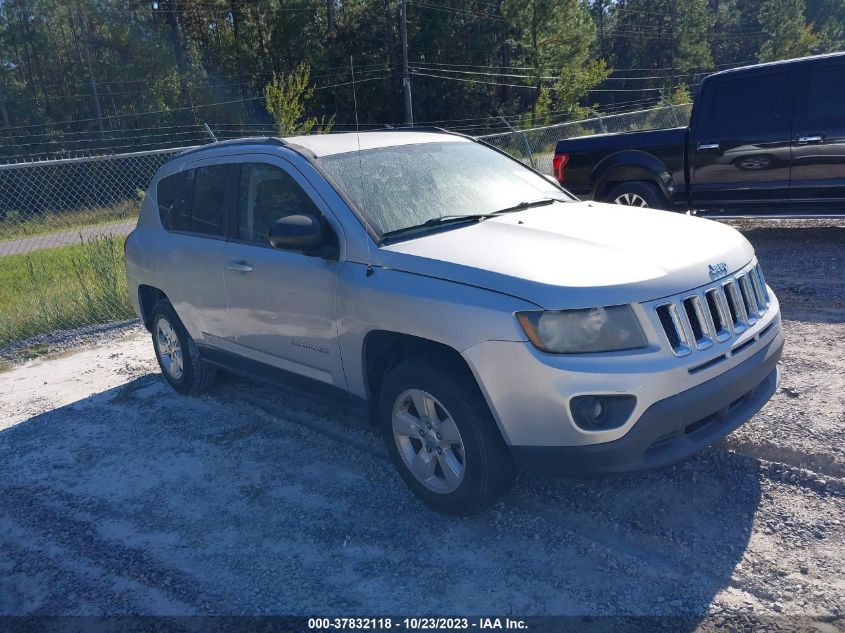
(240, 266)
(810, 138)
(705, 146)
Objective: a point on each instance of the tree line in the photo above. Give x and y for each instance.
(80, 75)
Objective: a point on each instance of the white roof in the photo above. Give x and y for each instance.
(328, 144)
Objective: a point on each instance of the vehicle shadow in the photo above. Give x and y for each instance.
(139, 501)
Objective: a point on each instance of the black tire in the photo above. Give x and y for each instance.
(196, 375)
(488, 468)
(645, 191)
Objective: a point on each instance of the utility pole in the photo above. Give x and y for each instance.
(4, 112)
(672, 7)
(406, 75)
(330, 19)
(86, 37)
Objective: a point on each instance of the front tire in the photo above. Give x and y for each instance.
(442, 438)
(638, 194)
(177, 353)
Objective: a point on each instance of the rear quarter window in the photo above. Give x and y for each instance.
(172, 207)
(194, 200)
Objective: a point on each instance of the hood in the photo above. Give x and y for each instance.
(578, 254)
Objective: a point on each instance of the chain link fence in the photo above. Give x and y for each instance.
(536, 146)
(63, 222)
(62, 225)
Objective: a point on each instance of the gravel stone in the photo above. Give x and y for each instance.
(119, 496)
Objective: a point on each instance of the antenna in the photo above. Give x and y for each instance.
(210, 133)
(360, 164)
(355, 99)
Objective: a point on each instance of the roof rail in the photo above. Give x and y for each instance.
(257, 140)
(281, 142)
(416, 128)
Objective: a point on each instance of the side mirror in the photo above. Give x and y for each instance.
(296, 233)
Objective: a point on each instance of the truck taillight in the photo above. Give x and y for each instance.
(559, 164)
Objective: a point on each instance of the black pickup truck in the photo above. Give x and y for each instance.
(763, 140)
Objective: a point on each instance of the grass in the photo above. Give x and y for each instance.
(62, 287)
(15, 226)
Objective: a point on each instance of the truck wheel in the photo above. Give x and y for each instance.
(638, 194)
(442, 438)
(176, 352)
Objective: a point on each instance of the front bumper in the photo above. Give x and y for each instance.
(672, 428)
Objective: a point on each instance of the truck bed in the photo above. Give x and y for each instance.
(587, 152)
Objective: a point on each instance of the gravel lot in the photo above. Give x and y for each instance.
(119, 496)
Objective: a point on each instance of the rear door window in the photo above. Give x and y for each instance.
(208, 200)
(748, 107)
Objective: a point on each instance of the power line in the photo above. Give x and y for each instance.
(493, 72)
(182, 109)
(464, 12)
(476, 81)
(556, 70)
(209, 85)
(497, 83)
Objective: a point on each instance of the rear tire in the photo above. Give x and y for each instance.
(177, 353)
(637, 194)
(450, 454)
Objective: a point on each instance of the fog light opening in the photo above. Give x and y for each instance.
(599, 412)
(590, 412)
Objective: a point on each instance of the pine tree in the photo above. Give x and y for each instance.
(788, 34)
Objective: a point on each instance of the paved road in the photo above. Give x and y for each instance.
(64, 238)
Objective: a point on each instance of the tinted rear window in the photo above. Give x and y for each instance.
(207, 202)
(171, 202)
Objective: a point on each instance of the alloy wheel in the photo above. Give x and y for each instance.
(429, 441)
(632, 200)
(169, 348)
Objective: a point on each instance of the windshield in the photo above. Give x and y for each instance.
(407, 185)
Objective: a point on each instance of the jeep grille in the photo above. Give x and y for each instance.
(714, 313)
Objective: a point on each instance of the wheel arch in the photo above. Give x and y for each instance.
(148, 297)
(628, 166)
(384, 349)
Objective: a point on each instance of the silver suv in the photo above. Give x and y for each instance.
(490, 320)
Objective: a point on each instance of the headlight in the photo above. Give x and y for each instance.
(608, 329)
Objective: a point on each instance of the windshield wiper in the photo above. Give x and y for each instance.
(541, 202)
(438, 221)
(458, 217)
(466, 217)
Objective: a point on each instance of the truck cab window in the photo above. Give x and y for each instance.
(747, 106)
(825, 96)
